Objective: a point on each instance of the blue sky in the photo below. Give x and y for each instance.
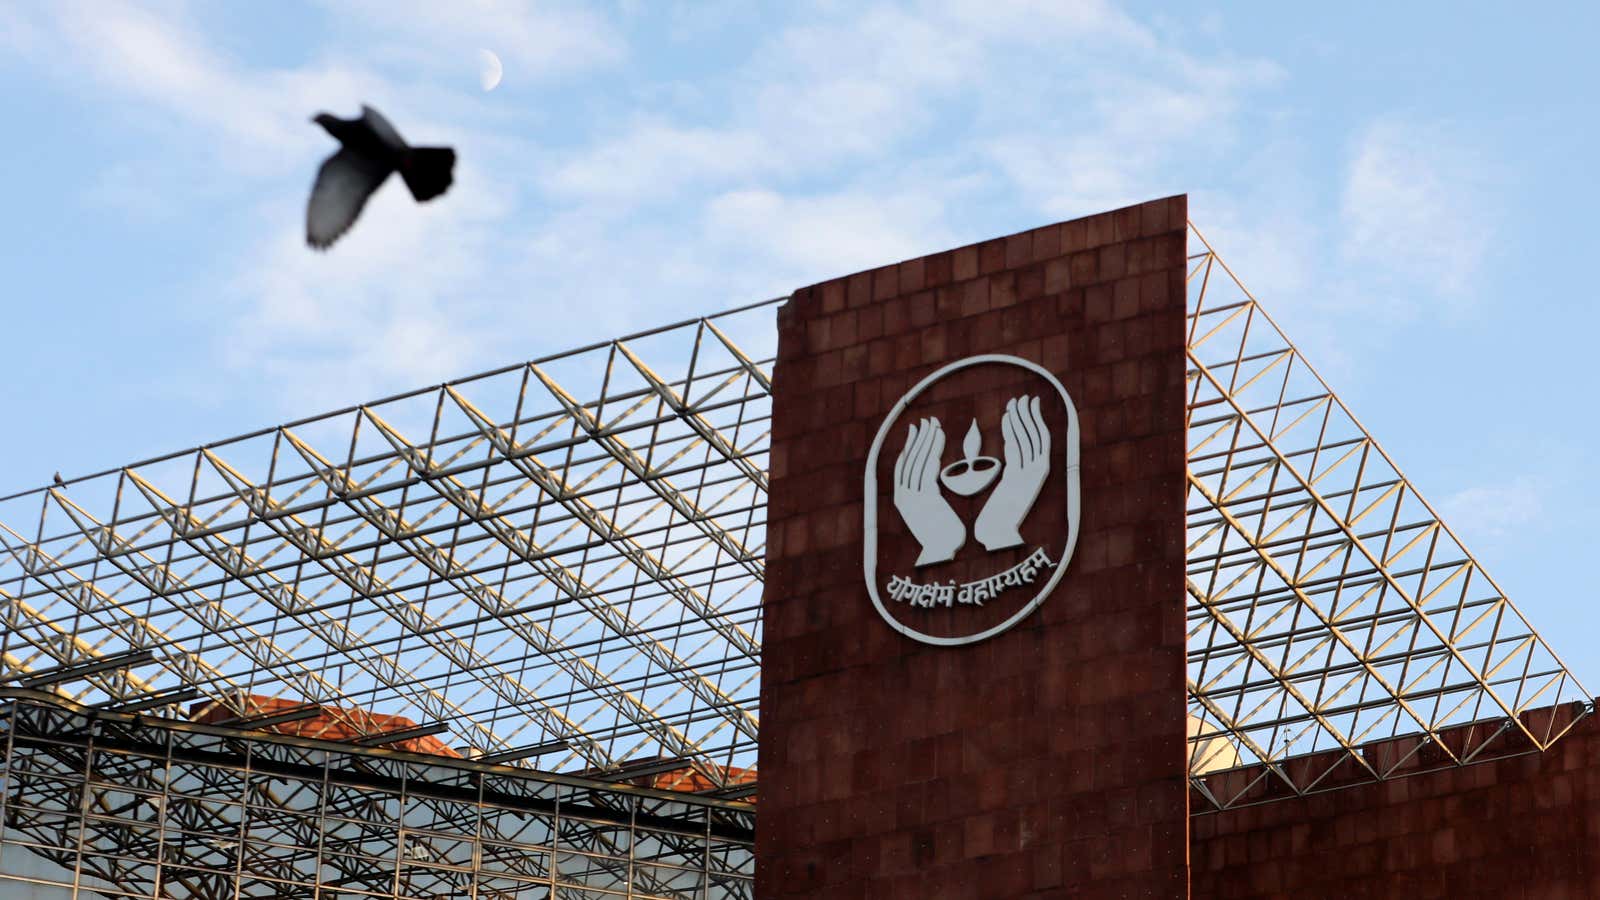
(1407, 187)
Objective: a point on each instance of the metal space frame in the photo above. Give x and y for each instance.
(122, 805)
(558, 565)
(1339, 632)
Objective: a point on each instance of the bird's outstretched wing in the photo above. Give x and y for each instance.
(381, 127)
(344, 183)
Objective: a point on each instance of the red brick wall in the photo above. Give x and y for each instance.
(1047, 761)
(1521, 827)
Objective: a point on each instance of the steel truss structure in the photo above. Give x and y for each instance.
(131, 806)
(572, 582)
(558, 565)
(1338, 630)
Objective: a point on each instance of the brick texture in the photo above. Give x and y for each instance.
(1525, 826)
(1047, 761)
(331, 723)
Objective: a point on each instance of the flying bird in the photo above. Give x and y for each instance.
(370, 149)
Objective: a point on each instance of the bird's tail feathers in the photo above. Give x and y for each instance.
(428, 171)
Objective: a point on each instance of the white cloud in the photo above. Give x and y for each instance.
(654, 159)
(257, 120)
(812, 238)
(401, 300)
(20, 30)
(863, 134)
(1415, 207)
(142, 192)
(536, 40)
(1491, 512)
(813, 93)
(849, 85)
(1128, 133)
(405, 298)
(842, 87)
(850, 137)
(160, 60)
(1049, 22)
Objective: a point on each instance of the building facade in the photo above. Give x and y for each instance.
(1041, 567)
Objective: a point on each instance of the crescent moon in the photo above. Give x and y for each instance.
(489, 70)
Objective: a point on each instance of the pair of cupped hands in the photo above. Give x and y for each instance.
(928, 514)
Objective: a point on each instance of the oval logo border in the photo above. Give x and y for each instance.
(869, 537)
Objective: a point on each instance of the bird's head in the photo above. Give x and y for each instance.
(330, 123)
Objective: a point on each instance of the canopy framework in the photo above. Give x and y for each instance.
(139, 807)
(493, 554)
(1330, 610)
(561, 562)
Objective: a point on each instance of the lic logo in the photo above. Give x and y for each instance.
(961, 545)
